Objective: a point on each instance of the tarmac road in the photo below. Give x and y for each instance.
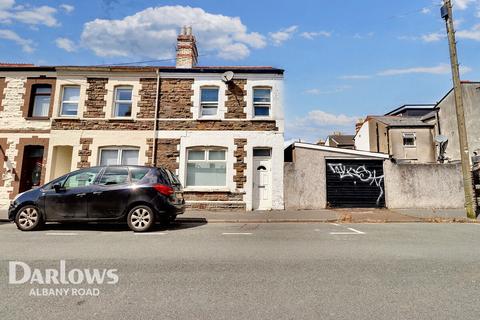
(250, 271)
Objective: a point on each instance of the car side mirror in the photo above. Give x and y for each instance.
(57, 187)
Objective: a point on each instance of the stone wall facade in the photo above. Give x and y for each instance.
(84, 153)
(95, 103)
(236, 103)
(148, 93)
(167, 153)
(240, 166)
(176, 98)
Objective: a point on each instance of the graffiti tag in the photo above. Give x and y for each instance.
(361, 173)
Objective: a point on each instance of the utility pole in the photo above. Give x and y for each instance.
(470, 203)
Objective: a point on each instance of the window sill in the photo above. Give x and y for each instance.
(37, 118)
(209, 119)
(121, 119)
(66, 118)
(206, 189)
(258, 118)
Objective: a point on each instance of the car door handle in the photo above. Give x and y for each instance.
(97, 192)
(81, 194)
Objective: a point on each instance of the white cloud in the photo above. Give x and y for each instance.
(152, 33)
(338, 89)
(363, 36)
(282, 35)
(440, 69)
(433, 37)
(66, 44)
(355, 77)
(43, 15)
(318, 124)
(472, 34)
(67, 7)
(462, 4)
(314, 34)
(26, 44)
(426, 10)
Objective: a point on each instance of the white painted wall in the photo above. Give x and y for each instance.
(362, 139)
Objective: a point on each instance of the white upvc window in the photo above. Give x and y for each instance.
(209, 101)
(70, 99)
(206, 167)
(409, 139)
(122, 104)
(118, 155)
(262, 102)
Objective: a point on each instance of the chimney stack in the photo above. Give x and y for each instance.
(359, 124)
(187, 54)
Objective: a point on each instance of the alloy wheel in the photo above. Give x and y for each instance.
(28, 218)
(140, 218)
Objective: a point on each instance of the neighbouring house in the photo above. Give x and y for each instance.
(219, 128)
(411, 110)
(339, 140)
(405, 139)
(446, 120)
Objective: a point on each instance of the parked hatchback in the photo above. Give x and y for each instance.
(138, 195)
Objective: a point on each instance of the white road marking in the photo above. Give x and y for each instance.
(150, 233)
(356, 231)
(236, 233)
(335, 224)
(61, 234)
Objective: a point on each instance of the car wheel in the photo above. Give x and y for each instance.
(28, 218)
(140, 218)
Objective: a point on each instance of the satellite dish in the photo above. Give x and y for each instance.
(227, 76)
(441, 139)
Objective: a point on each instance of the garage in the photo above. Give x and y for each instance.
(319, 177)
(355, 183)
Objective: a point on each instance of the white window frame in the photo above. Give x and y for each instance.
(70, 101)
(119, 153)
(410, 134)
(261, 104)
(209, 103)
(115, 101)
(205, 160)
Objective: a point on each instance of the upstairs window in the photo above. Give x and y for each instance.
(116, 156)
(70, 98)
(40, 100)
(123, 102)
(209, 101)
(206, 168)
(261, 102)
(409, 140)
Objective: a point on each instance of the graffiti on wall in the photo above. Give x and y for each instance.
(361, 173)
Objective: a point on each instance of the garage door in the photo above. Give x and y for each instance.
(355, 183)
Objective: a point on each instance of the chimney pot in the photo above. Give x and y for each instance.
(187, 54)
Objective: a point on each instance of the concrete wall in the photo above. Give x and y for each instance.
(448, 120)
(437, 186)
(305, 181)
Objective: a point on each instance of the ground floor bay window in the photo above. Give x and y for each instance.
(206, 167)
(115, 155)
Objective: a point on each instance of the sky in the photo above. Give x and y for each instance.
(343, 59)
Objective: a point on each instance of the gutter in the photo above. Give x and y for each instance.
(157, 106)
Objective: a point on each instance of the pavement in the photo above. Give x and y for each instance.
(328, 215)
(248, 271)
(323, 215)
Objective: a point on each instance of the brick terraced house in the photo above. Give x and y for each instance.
(219, 128)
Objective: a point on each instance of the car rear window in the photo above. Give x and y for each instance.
(114, 175)
(137, 174)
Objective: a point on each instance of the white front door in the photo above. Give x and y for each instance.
(262, 184)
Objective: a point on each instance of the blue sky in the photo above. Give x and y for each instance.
(344, 59)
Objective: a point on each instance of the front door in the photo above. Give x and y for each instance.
(31, 167)
(262, 184)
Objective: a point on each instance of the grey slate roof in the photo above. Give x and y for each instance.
(394, 121)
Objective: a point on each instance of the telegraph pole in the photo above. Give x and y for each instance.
(470, 203)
